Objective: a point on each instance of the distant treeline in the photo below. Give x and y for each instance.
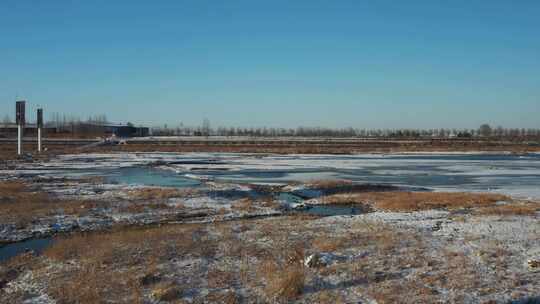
(74, 125)
(483, 131)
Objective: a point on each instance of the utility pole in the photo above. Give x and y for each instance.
(20, 119)
(39, 126)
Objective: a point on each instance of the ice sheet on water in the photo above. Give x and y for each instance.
(463, 171)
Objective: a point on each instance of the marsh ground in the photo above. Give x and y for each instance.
(238, 243)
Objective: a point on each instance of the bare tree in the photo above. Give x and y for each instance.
(205, 130)
(485, 130)
(6, 120)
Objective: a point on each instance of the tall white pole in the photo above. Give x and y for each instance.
(39, 125)
(39, 139)
(19, 139)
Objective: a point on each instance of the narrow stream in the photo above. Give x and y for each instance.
(36, 245)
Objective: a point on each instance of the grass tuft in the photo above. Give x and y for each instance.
(416, 201)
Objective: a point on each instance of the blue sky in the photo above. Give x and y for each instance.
(365, 64)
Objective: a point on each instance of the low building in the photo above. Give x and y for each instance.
(76, 130)
(126, 131)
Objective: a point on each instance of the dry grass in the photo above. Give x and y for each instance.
(459, 272)
(167, 292)
(388, 249)
(262, 261)
(328, 297)
(228, 297)
(510, 209)
(284, 279)
(219, 278)
(329, 183)
(109, 265)
(133, 207)
(378, 274)
(329, 244)
(382, 237)
(245, 204)
(157, 193)
(402, 291)
(125, 246)
(270, 202)
(19, 204)
(383, 146)
(415, 201)
(119, 265)
(91, 283)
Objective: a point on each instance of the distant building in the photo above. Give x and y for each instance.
(77, 130)
(126, 130)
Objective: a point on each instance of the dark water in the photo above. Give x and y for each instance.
(36, 245)
(331, 210)
(289, 200)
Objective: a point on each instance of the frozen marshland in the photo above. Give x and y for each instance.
(252, 228)
(516, 175)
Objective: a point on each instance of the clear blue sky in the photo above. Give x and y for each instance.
(365, 64)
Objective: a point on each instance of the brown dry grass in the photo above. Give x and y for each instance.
(219, 278)
(270, 202)
(91, 283)
(329, 297)
(115, 265)
(167, 291)
(114, 246)
(262, 258)
(329, 183)
(379, 273)
(329, 244)
(459, 272)
(414, 201)
(527, 208)
(133, 207)
(157, 193)
(222, 298)
(382, 146)
(285, 278)
(19, 204)
(109, 265)
(245, 204)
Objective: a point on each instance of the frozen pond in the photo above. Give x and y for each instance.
(510, 174)
(149, 177)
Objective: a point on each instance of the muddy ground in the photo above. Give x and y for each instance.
(276, 146)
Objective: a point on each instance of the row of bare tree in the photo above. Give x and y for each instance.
(483, 131)
(70, 124)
